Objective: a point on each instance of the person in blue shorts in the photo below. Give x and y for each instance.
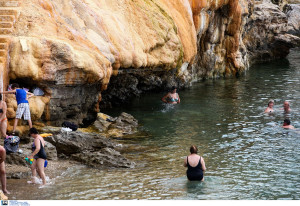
(23, 109)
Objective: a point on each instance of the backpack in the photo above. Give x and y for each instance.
(70, 125)
(11, 144)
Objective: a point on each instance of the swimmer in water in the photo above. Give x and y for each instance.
(287, 124)
(286, 107)
(195, 165)
(172, 97)
(270, 106)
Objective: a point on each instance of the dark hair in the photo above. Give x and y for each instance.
(15, 85)
(287, 121)
(193, 149)
(271, 101)
(33, 130)
(173, 88)
(0, 97)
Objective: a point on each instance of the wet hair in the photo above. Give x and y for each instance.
(271, 101)
(193, 149)
(172, 89)
(287, 121)
(0, 97)
(15, 85)
(33, 130)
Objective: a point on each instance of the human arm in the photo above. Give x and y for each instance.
(29, 95)
(9, 92)
(37, 148)
(164, 99)
(203, 164)
(4, 109)
(178, 99)
(185, 162)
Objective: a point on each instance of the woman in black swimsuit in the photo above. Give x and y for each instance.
(38, 154)
(195, 165)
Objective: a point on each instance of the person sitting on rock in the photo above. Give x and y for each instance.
(39, 155)
(270, 106)
(2, 170)
(287, 124)
(3, 118)
(22, 97)
(172, 97)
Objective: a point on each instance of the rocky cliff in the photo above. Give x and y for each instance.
(83, 51)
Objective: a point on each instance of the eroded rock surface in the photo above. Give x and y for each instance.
(91, 149)
(75, 49)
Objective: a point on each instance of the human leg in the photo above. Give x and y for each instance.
(41, 170)
(33, 171)
(3, 126)
(3, 178)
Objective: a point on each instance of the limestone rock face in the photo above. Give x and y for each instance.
(268, 39)
(75, 49)
(293, 14)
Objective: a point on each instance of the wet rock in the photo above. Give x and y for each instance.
(69, 143)
(51, 151)
(106, 157)
(18, 158)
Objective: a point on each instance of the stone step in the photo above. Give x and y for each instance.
(3, 46)
(6, 24)
(9, 3)
(8, 12)
(6, 31)
(3, 40)
(7, 18)
(3, 53)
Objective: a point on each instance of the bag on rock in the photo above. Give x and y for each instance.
(70, 125)
(11, 144)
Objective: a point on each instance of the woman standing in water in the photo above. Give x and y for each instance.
(195, 165)
(3, 118)
(39, 155)
(172, 97)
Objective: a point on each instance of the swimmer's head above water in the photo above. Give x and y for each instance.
(193, 149)
(286, 122)
(173, 90)
(271, 103)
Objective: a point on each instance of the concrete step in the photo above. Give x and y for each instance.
(8, 12)
(6, 24)
(9, 3)
(6, 31)
(7, 18)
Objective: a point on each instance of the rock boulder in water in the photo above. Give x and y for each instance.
(125, 124)
(106, 157)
